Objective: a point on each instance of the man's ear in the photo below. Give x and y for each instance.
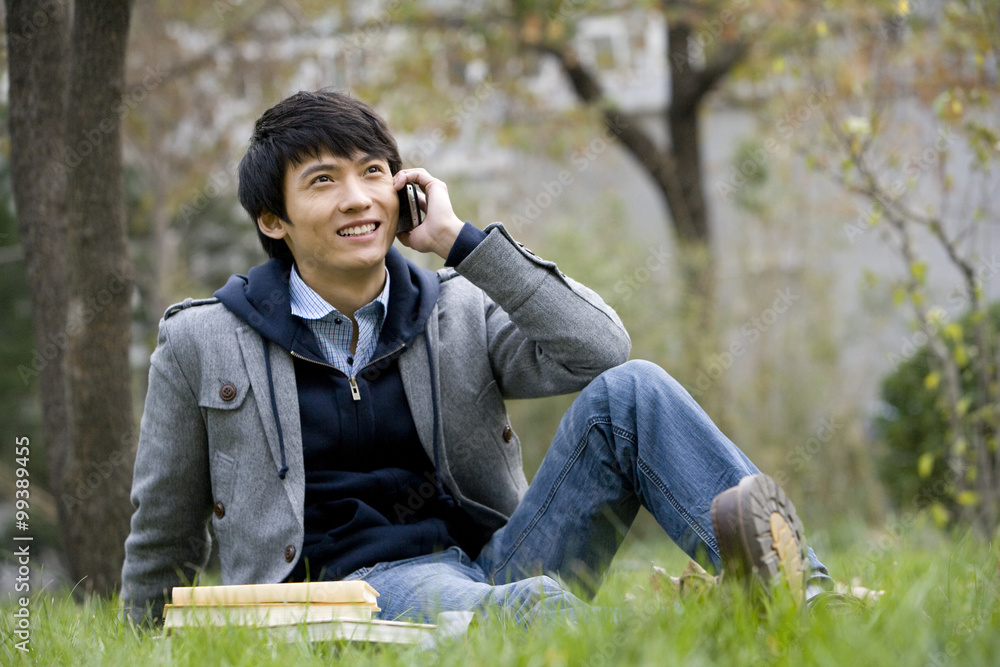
(271, 225)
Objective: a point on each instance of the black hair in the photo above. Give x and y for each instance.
(295, 129)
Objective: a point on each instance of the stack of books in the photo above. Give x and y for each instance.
(314, 611)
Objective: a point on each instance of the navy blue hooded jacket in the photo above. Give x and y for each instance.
(371, 493)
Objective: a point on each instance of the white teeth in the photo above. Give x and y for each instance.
(360, 230)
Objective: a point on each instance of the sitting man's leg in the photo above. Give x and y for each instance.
(633, 436)
(418, 589)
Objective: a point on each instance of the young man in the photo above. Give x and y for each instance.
(339, 412)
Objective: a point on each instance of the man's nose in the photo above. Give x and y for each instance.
(356, 196)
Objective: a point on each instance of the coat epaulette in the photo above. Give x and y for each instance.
(446, 274)
(188, 303)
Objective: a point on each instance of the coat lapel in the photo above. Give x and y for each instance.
(415, 370)
(287, 399)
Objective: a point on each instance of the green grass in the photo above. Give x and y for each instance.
(941, 607)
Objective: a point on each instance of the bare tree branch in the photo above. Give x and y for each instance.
(660, 164)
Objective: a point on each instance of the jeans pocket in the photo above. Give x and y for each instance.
(459, 554)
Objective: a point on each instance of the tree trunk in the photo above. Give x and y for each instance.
(95, 516)
(683, 126)
(676, 169)
(688, 88)
(67, 180)
(37, 50)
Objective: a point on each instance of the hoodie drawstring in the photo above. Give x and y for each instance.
(442, 495)
(274, 409)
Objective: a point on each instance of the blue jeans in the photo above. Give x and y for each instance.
(633, 437)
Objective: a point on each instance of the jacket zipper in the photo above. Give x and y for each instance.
(355, 391)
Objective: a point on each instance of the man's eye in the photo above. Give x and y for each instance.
(322, 178)
(374, 169)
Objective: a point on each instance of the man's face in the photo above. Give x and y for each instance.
(343, 214)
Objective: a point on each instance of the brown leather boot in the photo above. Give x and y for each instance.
(760, 535)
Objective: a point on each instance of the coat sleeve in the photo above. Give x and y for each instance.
(169, 542)
(547, 334)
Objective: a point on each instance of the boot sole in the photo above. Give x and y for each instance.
(759, 534)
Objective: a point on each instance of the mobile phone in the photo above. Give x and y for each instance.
(410, 214)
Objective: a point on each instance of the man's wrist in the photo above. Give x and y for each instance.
(467, 240)
(443, 237)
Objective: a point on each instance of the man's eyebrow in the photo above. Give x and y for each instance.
(329, 166)
(319, 166)
(370, 157)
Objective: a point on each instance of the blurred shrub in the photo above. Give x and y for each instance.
(914, 428)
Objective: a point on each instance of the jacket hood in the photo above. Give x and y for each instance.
(262, 300)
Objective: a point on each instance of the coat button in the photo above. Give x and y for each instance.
(227, 392)
(219, 510)
(508, 433)
(289, 553)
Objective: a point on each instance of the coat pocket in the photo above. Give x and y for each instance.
(224, 468)
(500, 434)
(230, 413)
(225, 390)
(224, 471)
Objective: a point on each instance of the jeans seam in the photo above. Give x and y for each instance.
(570, 461)
(708, 538)
(360, 573)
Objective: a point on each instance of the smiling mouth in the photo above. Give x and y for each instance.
(359, 230)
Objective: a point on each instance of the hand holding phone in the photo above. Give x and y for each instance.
(410, 214)
(438, 225)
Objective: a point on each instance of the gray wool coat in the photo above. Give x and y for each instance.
(507, 324)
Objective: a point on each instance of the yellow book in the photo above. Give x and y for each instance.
(264, 614)
(315, 611)
(395, 632)
(328, 592)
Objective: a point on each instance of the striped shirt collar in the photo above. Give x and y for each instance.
(333, 330)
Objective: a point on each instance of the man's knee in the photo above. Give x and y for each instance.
(635, 368)
(638, 373)
(643, 381)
